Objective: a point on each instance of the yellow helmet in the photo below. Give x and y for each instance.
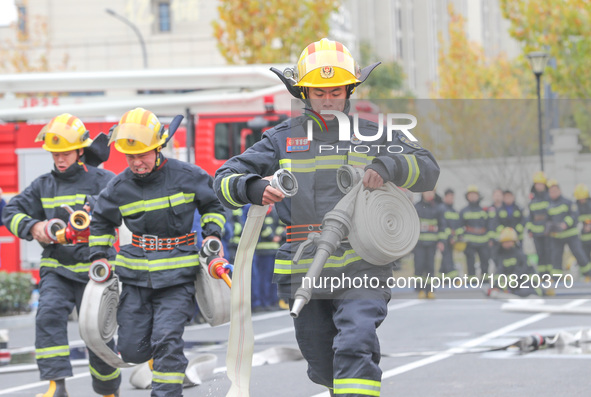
(472, 189)
(64, 133)
(540, 177)
(508, 234)
(581, 191)
(327, 63)
(138, 131)
(460, 246)
(551, 182)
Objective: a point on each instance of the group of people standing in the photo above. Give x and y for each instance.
(497, 232)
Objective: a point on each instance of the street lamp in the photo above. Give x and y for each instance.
(135, 30)
(538, 60)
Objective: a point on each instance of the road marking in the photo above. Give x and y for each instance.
(39, 384)
(467, 345)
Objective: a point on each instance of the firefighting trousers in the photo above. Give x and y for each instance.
(576, 247)
(264, 291)
(338, 339)
(57, 297)
(151, 324)
(424, 258)
(483, 252)
(447, 261)
(542, 244)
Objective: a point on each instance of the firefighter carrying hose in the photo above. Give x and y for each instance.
(156, 197)
(337, 334)
(64, 268)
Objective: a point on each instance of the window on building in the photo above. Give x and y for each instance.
(164, 20)
(22, 23)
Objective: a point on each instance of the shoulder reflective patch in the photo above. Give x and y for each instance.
(408, 142)
(297, 145)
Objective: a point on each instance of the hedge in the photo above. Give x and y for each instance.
(15, 292)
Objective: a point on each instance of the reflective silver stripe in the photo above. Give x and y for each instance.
(359, 158)
(53, 202)
(105, 239)
(16, 220)
(413, 171)
(283, 266)
(80, 267)
(218, 219)
(157, 264)
(225, 187)
(104, 378)
(168, 377)
(54, 351)
(357, 386)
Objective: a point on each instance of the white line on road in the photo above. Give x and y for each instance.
(467, 345)
(39, 384)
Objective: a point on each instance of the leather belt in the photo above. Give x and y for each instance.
(150, 242)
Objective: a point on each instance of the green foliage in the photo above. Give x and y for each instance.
(15, 292)
(385, 82)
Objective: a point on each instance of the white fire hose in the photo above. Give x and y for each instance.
(241, 338)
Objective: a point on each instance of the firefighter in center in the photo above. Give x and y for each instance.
(335, 332)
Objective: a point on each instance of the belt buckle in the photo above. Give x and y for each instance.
(153, 245)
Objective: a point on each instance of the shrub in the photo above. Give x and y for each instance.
(15, 292)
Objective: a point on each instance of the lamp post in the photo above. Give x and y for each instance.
(135, 30)
(538, 60)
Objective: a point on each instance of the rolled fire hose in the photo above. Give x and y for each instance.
(241, 338)
(98, 319)
(382, 225)
(213, 295)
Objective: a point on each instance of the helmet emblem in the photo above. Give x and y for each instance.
(326, 72)
(55, 139)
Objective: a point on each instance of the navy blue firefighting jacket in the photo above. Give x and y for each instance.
(314, 163)
(42, 200)
(163, 205)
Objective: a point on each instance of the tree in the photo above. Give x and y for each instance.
(471, 123)
(30, 51)
(563, 29)
(270, 31)
(386, 81)
(465, 72)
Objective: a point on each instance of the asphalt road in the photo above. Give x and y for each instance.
(440, 347)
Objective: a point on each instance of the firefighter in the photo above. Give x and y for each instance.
(63, 268)
(337, 335)
(562, 229)
(452, 221)
(474, 230)
(433, 234)
(156, 197)
(537, 221)
(512, 268)
(237, 222)
(584, 210)
(510, 215)
(497, 203)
